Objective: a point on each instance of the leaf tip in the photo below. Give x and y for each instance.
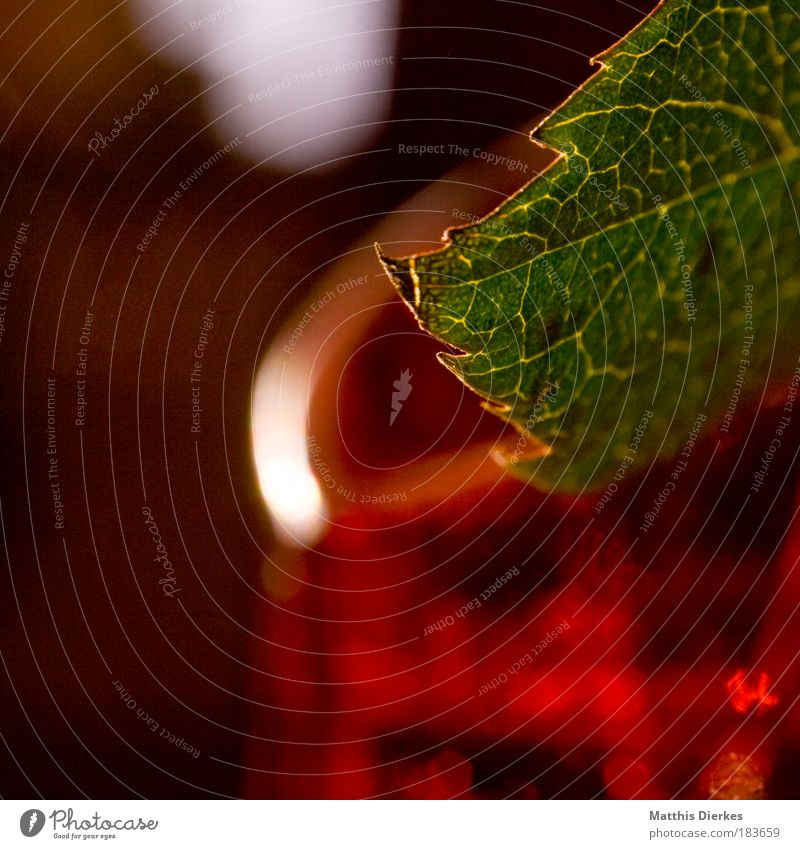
(512, 456)
(403, 276)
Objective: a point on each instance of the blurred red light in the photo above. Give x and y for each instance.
(745, 697)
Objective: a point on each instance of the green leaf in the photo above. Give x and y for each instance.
(629, 298)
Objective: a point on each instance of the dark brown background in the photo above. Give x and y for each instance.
(65, 733)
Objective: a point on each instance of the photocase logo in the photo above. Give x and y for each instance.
(31, 822)
(403, 389)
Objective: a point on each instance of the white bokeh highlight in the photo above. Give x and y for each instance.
(303, 83)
